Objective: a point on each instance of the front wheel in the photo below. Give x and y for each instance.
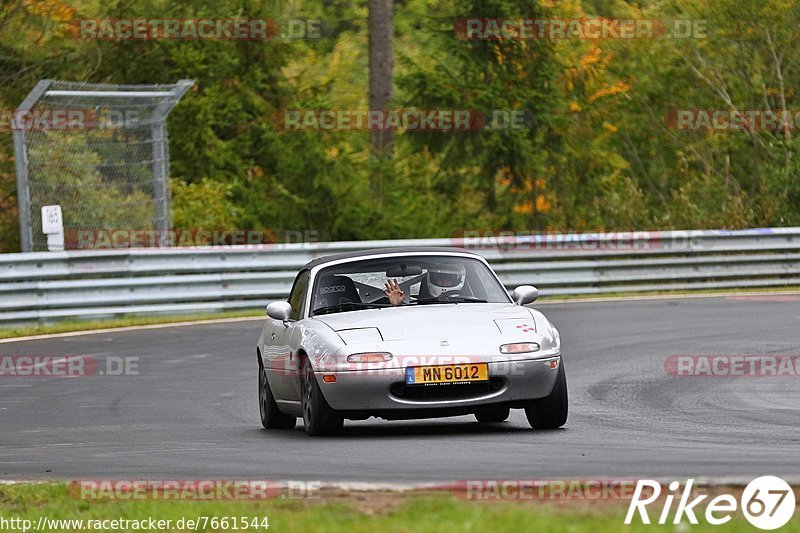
(271, 416)
(318, 417)
(551, 411)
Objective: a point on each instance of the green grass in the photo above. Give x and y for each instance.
(88, 325)
(66, 326)
(367, 512)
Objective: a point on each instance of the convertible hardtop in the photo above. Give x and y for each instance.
(409, 250)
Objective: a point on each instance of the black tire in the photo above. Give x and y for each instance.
(271, 416)
(494, 415)
(551, 411)
(318, 417)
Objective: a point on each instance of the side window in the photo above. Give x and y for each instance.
(297, 298)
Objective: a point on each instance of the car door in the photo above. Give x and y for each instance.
(280, 357)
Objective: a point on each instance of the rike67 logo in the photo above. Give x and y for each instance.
(767, 502)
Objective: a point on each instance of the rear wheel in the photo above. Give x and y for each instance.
(551, 411)
(494, 415)
(271, 416)
(318, 417)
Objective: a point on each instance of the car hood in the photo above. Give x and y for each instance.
(434, 321)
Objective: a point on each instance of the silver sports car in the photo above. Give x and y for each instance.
(407, 333)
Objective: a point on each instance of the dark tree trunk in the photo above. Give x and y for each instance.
(380, 69)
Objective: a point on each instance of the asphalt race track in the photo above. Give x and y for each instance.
(192, 412)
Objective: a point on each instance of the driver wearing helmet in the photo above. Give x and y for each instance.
(439, 280)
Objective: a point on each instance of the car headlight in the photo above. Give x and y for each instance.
(369, 357)
(520, 347)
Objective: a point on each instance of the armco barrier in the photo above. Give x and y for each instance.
(48, 286)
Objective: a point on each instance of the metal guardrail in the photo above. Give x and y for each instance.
(49, 286)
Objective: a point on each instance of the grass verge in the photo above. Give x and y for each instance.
(67, 326)
(340, 512)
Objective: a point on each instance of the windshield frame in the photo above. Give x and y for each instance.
(315, 271)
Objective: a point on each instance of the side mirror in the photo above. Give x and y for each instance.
(279, 310)
(525, 294)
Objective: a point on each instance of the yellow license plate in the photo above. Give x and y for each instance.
(466, 373)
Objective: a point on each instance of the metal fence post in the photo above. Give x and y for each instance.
(21, 164)
(161, 191)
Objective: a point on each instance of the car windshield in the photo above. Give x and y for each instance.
(424, 279)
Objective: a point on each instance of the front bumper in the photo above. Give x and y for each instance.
(379, 391)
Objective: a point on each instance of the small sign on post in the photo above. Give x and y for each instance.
(53, 227)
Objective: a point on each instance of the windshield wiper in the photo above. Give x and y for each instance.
(453, 300)
(347, 306)
(469, 300)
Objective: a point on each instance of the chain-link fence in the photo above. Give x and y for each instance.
(100, 152)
